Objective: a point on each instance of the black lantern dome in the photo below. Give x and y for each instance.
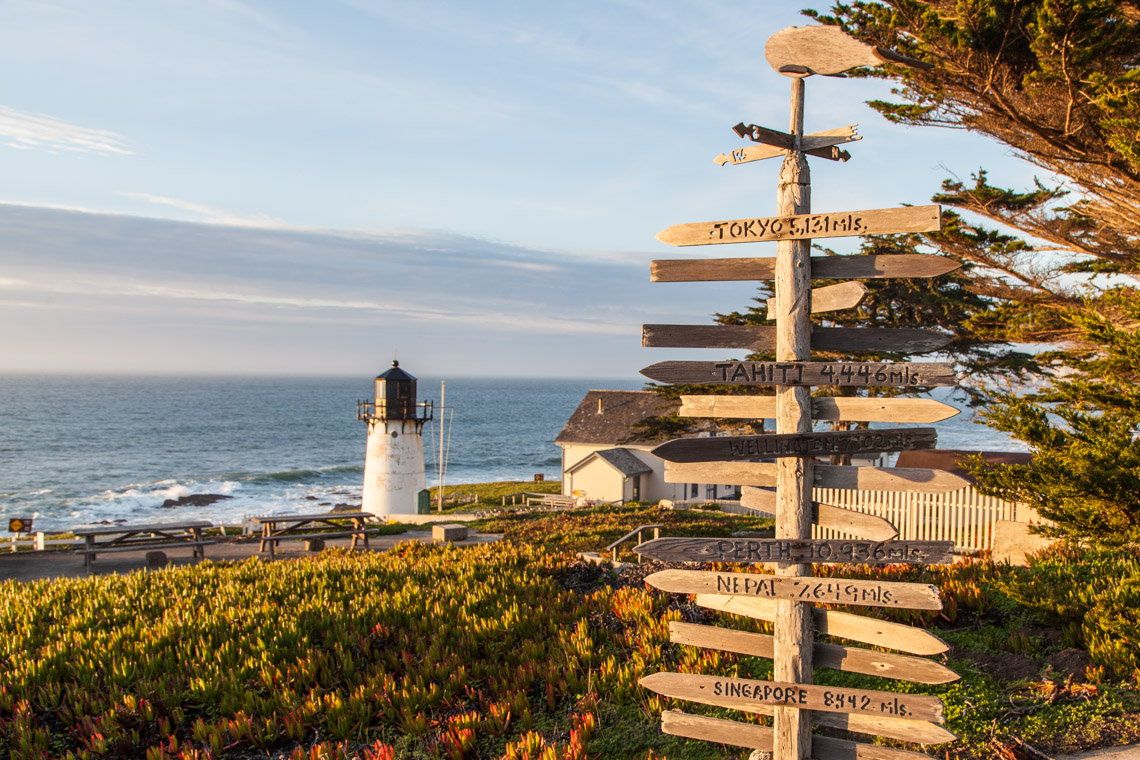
(396, 394)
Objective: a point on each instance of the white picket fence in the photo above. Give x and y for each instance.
(965, 516)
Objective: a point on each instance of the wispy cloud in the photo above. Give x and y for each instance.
(30, 131)
(214, 215)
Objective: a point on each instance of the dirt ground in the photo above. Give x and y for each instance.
(33, 566)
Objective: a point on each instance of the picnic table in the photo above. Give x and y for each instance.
(276, 528)
(125, 538)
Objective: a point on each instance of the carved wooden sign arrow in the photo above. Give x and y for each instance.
(804, 50)
(803, 373)
(849, 659)
(843, 520)
(916, 479)
(677, 723)
(772, 143)
(822, 268)
(842, 295)
(728, 448)
(911, 596)
(763, 338)
(804, 226)
(822, 408)
(844, 551)
(806, 696)
(869, 630)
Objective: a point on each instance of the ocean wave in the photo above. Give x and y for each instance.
(300, 475)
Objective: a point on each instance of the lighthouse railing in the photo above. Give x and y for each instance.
(379, 410)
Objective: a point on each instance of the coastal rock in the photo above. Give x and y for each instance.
(194, 500)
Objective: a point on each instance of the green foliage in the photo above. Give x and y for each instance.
(1084, 430)
(1092, 595)
(593, 529)
(1056, 81)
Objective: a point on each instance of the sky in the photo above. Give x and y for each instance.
(315, 188)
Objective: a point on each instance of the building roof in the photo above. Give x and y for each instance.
(948, 459)
(608, 416)
(624, 461)
(395, 373)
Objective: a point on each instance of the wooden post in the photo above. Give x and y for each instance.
(794, 477)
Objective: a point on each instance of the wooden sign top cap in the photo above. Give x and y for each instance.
(800, 51)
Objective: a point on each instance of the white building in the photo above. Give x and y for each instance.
(599, 462)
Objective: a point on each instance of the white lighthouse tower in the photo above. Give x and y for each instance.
(394, 460)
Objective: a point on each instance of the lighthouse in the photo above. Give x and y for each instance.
(394, 458)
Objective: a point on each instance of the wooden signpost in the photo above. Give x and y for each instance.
(752, 447)
(868, 630)
(804, 373)
(825, 476)
(842, 295)
(737, 691)
(788, 596)
(825, 515)
(750, 735)
(850, 659)
(822, 408)
(869, 267)
(844, 551)
(819, 143)
(880, 221)
(914, 596)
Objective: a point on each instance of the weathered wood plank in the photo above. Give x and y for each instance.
(728, 448)
(825, 515)
(793, 629)
(815, 144)
(862, 267)
(804, 373)
(841, 295)
(901, 667)
(738, 692)
(832, 550)
(822, 408)
(763, 338)
(911, 596)
(766, 136)
(845, 625)
(820, 149)
(676, 723)
(826, 476)
(880, 221)
(798, 51)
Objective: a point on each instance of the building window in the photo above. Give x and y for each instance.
(693, 491)
(637, 488)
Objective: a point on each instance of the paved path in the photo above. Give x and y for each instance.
(31, 566)
(1113, 753)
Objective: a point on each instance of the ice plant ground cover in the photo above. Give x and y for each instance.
(515, 650)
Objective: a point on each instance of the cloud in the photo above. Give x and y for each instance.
(212, 214)
(28, 131)
(233, 297)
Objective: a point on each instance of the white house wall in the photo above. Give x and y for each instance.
(653, 485)
(597, 480)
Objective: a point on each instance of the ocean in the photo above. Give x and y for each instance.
(87, 449)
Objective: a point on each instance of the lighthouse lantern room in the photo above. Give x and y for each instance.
(394, 459)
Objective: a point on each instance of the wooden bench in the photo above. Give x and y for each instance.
(557, 500)
(277, 528)
(136, 538)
